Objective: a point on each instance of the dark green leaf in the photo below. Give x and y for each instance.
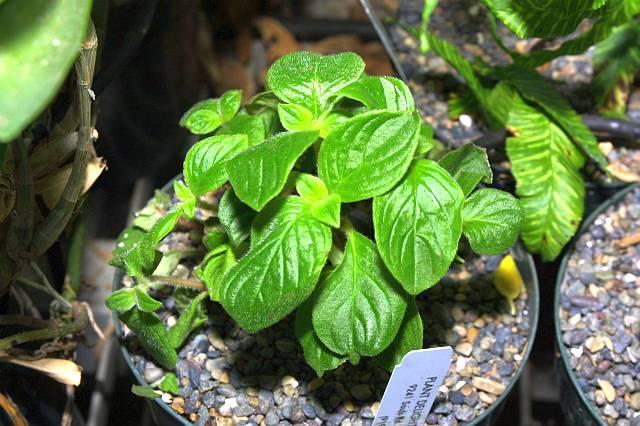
(230, 104)
(249, 125)
(214, 237)
(213, 269)
(261, 102)
(153, 336)
(121, 300)
(360, 306)
(491, 221)
(386, 93)
(260, 173)
(368, 154)
(409, 338)
(145, 302)
(190, 319)
(170, 384)
(145, 391)
(127, 239)
(418, 225)
(469, 165)
(295, 117)
(236, 217)
(202, 118)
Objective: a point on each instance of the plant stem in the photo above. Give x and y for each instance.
(48, 285)
(24, 321)
(181, 282)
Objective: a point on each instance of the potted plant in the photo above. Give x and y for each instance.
(596, 307)
(334, 228)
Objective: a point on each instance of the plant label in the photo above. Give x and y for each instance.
(413, 387)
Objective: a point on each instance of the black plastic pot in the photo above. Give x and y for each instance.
(578, 410)
(165, 415)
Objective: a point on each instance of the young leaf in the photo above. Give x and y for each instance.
(295, 117)
(469, 165)
(152, 211)
(121, 300)
(316, 354)
(250, 125)
(280, 270)
(190, 319)
(260, 173)
(145, 392)
(360, 306)
(491, 221)
(236, 217)
(170, 384)
(409, 338)
(311, 188)
(368, 154)
(325, 207)
(418, 225)
(145, 302)
(202, 118)
(230, 104)
(327, 211)
(185, 195)
(425, 139)
(386, 93)
(153, 336)
(309, 79)
(204, 165)
(213, 269)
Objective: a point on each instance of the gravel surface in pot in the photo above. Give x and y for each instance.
(600, 312)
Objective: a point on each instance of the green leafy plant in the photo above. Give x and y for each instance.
(547, 143)
(281, 241)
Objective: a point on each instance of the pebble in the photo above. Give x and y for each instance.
(464, 349)
(152, 373)
(488, 385)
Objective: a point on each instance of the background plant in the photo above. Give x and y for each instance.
(324, 141)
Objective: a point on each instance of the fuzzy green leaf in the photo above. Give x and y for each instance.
(469, 165)
(280, 270)
(311, 188)
(230, 104)
(236, 217)
(491, 221)
(190, 319)
(368, 154)
(214, 267)
(202, 118)
(360, 305)
(153, 336)
(152, 211)
(409, 338)
(295, 117)
(327, 211)
(250, 125)
(386, 93)
(184, 194)
(260, 173)
(425, 139)
(145, 302)
(121, 300)
(418, 225)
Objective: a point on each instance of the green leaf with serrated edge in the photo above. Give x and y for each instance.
(230, 104)
(214, 237)
(296, 117)
(311, 188)
(368, 154)
(469, 165)
(236, 217)
(184, 194)
(280, 270)
(145, 392)
(40, 40)
(152, 211)
(409, 338)
(545, 164)
(145, 302)
(213, 268)
(387, 93)
(190, 319)
(491, 221)
(153, 336)
(418, 225)
(327, 211)
(204, 165)
(537, 89)
(170, 384)
(309, 79)
(202, 118)
(121, 300)
(260, 173)
(127, 239)
(250, 125)
(425, 139)
(359, 307)
(316, 354)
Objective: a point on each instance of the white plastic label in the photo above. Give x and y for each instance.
(413, 387)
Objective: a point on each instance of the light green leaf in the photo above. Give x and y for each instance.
(204, 165)
(309, 79)
(230, 104)
(469, 165)
(170, 261)
(170, 384)
(311, 188)
(153, 336)
(190, 319)
(121, 300)
(236, 217)
(409, 338)
(213, 269)
(145, 392)
(386, 93)
(491, 221)
(360, 306)
(39, 40)
(184, 194)
(330, 121)
(145, 302)
(280, 270)
(202, 118)
(249, 125)
(425, 139)
(327, 211)
(260, 173)
(152, 211)
(295, 117)
(418, 225)
(368, 154)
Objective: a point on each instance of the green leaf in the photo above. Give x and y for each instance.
(360, 305)
(128, 238)
(236, 217)
(170, 261)
(170, 384)
(230, 104)
(311, 188)
(425, 139)
(214, 237)
(409, 338)
(295, 117)
(469, 165)
(368, 154)
(40, 41)
(250, 125)
(316, 354)
(145, 302)
(327, 211)
(153, 336)
(152, 211)
(202, 118)
(386, 93)
(309, 79)
(204, 165)
(260, 173)
(418, 225)
(491, 221)
(184, 194)
(213, 269)
(280, 270)
(261, 102)
(121, 300)
(145, 392)
(190, 319)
